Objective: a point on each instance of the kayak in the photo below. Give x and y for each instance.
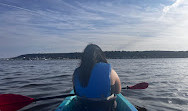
(122, 103)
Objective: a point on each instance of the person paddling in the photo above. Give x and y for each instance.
(95, 82)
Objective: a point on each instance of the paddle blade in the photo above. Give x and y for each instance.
(142, 85)
(13, 102)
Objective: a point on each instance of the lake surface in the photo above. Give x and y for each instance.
(167, 78)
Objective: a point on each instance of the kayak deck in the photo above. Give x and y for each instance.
(122, 104)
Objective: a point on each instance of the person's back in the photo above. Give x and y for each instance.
(99, 82)
(95, 82)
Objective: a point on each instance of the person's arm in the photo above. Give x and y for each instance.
(116, 82)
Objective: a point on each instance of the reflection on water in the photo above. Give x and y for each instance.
(167, 78)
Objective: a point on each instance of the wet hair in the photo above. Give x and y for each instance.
(92, 54)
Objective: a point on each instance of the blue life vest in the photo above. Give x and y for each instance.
(99, 83)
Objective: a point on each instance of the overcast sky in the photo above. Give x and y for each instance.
(55, 26)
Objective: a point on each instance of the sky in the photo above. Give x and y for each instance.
(62, 26)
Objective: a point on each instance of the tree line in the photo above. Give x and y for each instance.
(109, 55)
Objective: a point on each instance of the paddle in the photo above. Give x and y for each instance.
(13, 102)
(142, 85)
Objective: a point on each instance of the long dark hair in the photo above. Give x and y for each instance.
(92, 54)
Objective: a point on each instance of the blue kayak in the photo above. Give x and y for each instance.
(122, 104)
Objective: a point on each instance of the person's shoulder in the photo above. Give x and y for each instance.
(113, 73)
(76, 71)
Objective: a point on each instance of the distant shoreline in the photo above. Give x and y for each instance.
(109, 55)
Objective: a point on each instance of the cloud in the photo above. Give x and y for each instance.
(20, 8)
(174, 5)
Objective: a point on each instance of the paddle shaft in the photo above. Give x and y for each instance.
(125, 87)
(142, 86)
(53, 97)
(62, 96)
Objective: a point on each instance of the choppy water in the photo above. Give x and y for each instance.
(167, 78)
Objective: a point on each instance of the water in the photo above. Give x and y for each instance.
(167, 78)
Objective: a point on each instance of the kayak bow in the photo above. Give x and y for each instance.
(122, 103)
